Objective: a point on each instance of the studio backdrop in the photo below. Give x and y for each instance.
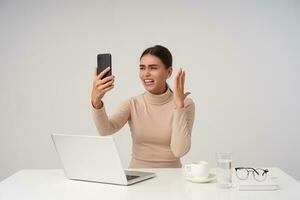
(241, 60)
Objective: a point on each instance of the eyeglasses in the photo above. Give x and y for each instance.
(259, 174)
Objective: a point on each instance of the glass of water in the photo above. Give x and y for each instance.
(224, 171)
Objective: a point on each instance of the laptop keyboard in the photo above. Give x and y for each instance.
(130, 177)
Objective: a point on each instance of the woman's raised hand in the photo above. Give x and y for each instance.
(179, 94)
(101, 86)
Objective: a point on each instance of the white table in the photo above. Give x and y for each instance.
(169, 184)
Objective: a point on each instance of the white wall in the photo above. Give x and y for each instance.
(241, 57)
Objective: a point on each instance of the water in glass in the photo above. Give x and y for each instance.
(224, 177)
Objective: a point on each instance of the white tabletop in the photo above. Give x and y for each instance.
(169, 184)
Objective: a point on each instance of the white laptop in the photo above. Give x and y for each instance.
(94, 158)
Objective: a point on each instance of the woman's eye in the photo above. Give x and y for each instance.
(142, 68)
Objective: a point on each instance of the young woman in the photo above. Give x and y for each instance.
(160, 119)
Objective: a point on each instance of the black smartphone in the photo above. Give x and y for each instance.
(104, 61)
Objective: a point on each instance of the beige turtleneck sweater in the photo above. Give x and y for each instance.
(161, 134)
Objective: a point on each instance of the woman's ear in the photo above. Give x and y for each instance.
(170, 70)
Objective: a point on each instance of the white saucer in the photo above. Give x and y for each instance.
(210, 177)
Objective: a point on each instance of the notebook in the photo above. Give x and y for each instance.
(253, 185)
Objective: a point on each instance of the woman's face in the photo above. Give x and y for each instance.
(153, 74)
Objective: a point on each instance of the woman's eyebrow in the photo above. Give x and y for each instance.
(151, 65)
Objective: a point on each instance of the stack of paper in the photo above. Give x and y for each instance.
(257, 186)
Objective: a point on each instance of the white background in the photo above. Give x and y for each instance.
(241, 58)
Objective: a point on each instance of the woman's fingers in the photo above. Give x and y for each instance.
(177, 79)
(107, 84)
(101, 74)
(186, 94)
(179, 93)
(108, 88)
(98, 82)
(105, 80)
(178, 74)
(95, 72)
(101, 86)
(181, 79)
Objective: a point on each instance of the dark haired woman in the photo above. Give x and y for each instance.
(160, 119)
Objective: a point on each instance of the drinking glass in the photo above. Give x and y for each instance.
(224, 171)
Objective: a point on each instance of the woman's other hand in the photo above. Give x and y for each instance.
(100, 87)
(179, 94)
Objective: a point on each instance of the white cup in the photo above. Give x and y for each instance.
(197, 169)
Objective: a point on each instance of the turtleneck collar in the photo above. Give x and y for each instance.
(159, 99)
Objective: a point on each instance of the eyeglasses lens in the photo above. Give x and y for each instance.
(242, 174)
(262, 175)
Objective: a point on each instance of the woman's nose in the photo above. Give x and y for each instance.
(147, 72)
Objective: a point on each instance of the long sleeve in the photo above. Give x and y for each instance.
(109, 125)
(183, 120)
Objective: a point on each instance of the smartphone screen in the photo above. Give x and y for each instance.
(104, 61)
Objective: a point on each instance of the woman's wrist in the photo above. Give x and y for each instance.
(179, 105)
(97, 104)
